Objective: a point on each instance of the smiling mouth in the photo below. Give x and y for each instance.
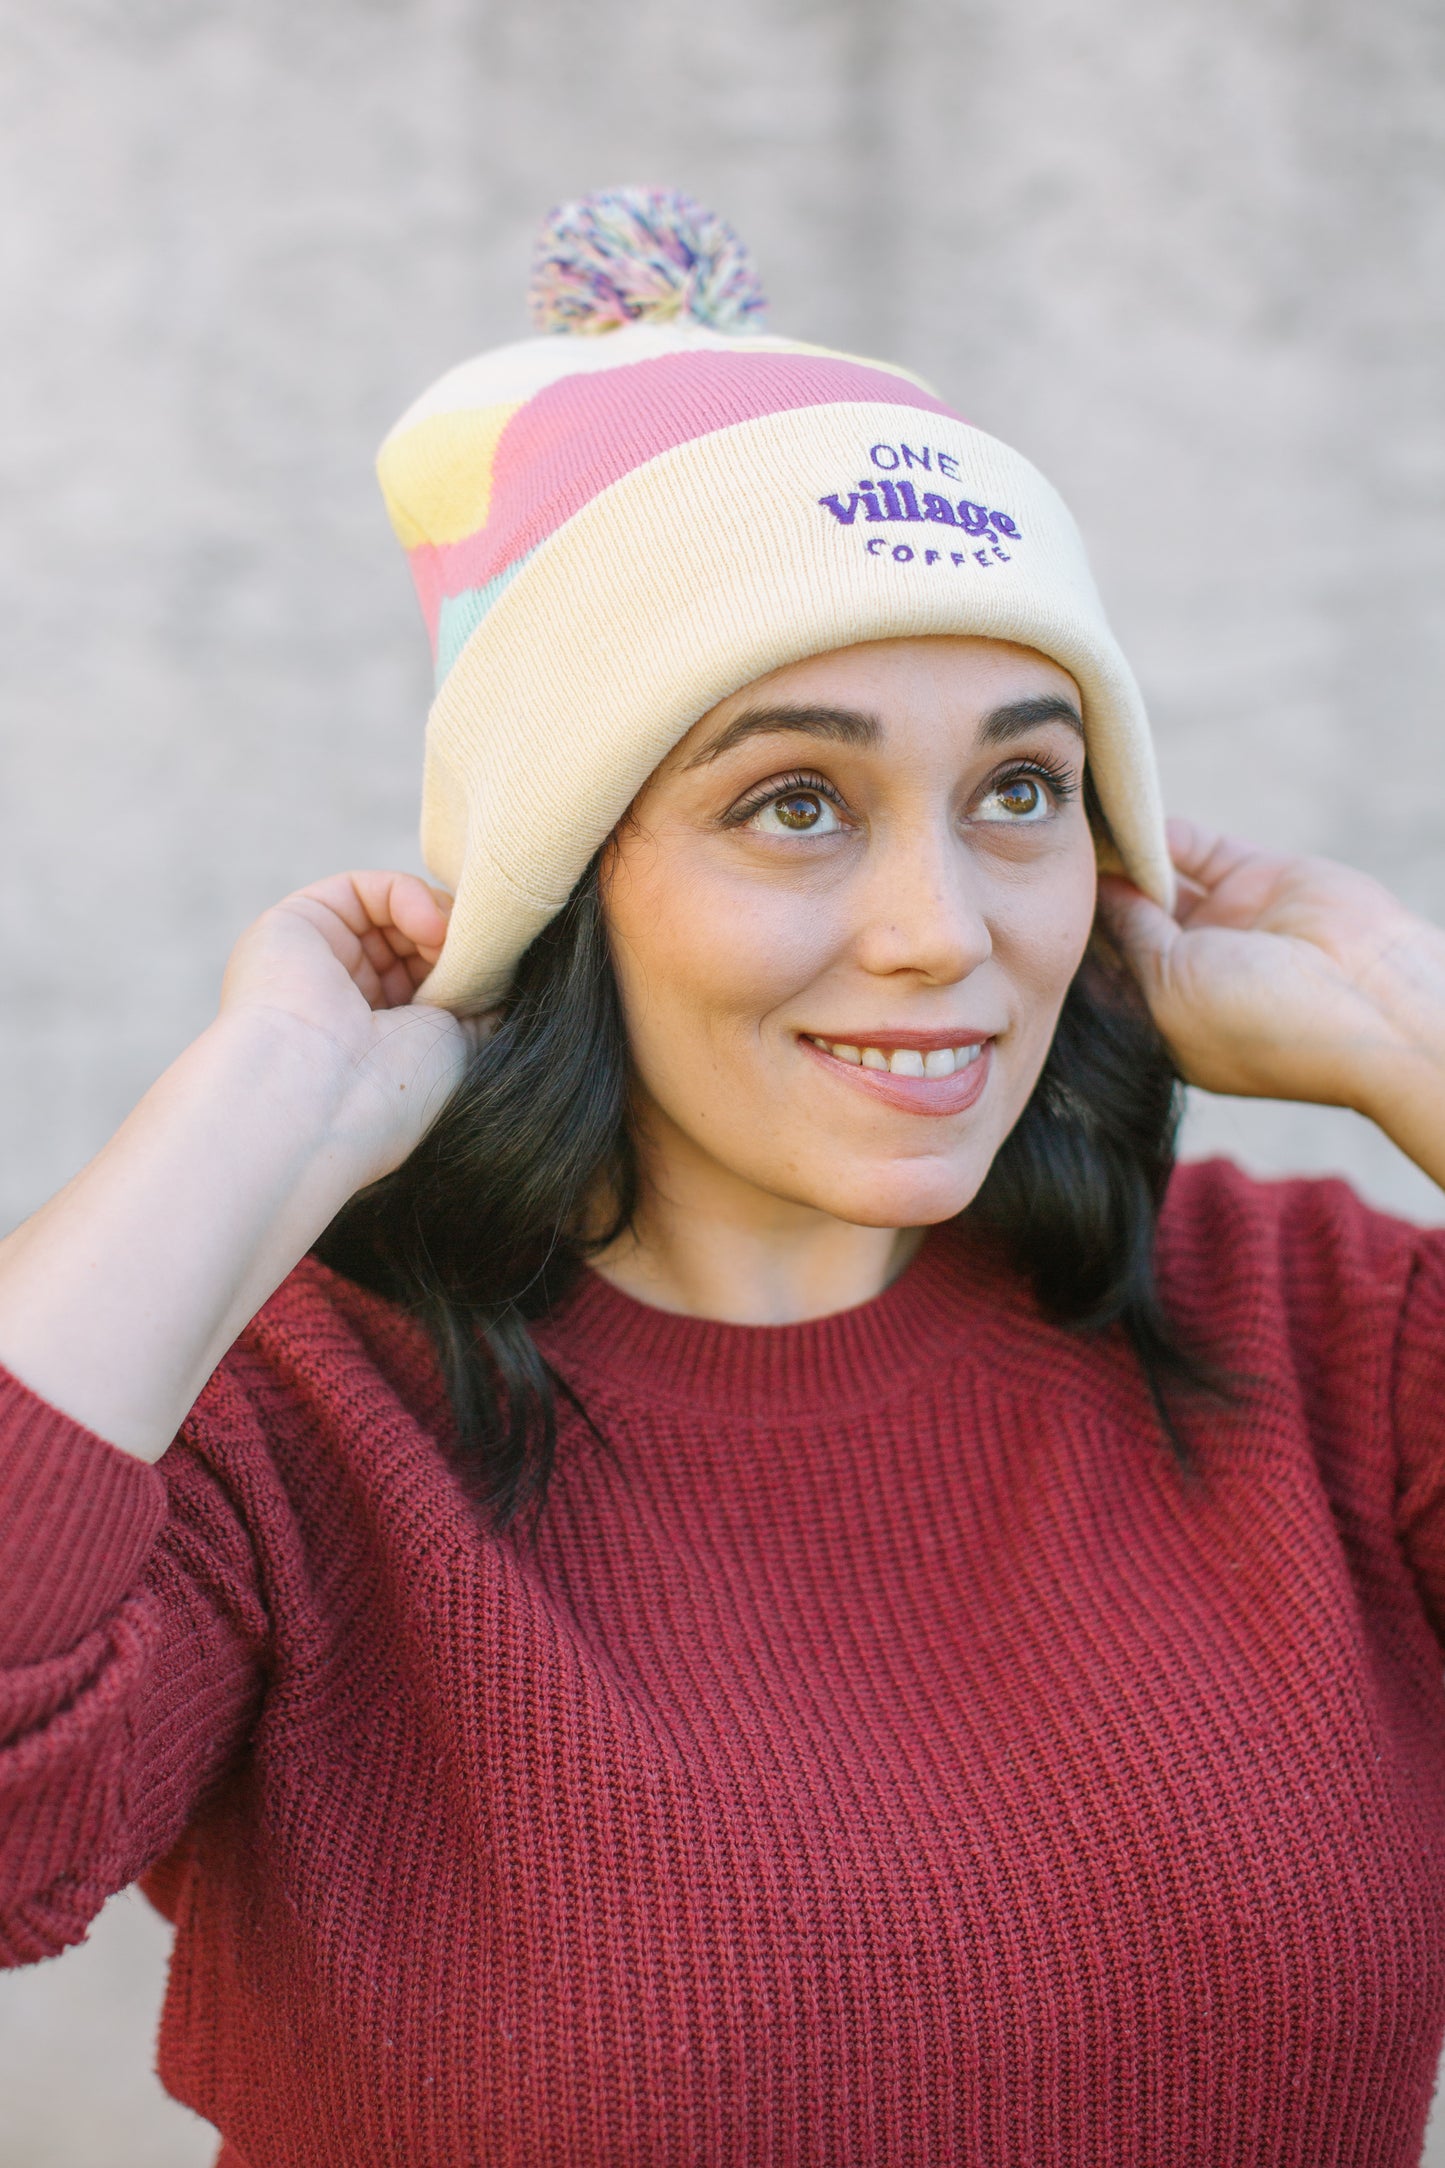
(909, 1061)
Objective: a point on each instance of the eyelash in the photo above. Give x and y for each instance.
(1053, 773)
(768, 793)
(1058, 778)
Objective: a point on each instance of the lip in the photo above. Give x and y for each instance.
(915, 1094)
(888, 1042)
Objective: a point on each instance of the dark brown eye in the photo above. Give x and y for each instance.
(796, 813)
(1018, 798)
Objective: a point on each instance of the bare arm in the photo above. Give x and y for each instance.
(1294, 978)
(120, 1296)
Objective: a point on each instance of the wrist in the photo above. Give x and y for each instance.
(1399, 1081)
(296, 1074)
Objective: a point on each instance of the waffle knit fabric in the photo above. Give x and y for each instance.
(611, 533)
(880, 1760)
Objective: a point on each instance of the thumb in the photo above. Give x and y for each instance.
(1143, 931)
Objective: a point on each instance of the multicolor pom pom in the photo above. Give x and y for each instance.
(626, 255)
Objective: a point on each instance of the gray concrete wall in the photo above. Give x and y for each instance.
(1188, 257)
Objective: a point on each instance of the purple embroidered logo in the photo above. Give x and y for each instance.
(879, 499)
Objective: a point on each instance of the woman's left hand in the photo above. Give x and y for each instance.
(1293, 978)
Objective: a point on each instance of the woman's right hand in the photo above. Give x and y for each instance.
(341, 959)
(319, 1075)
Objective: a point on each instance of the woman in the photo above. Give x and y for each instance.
(761, 1599)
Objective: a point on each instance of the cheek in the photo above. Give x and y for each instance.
(1045, 924)
(702, 959)
(1041, 931)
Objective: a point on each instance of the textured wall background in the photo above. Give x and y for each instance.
(1188, 257)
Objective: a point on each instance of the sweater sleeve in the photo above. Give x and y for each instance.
(132, 1637)
(1419, 1400)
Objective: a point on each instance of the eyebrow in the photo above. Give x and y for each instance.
(1017, 716)
(845, 726)
(852, 726)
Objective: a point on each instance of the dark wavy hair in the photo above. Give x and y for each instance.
(476, 1234)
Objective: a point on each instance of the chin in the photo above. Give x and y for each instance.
(900, 1196)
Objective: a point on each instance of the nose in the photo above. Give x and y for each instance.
(920, 909)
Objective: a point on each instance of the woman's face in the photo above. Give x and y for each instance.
(844, 912)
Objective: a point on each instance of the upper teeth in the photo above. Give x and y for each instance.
(904, 1060)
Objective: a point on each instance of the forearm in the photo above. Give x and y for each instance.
(120, 1296)
(1402, 1078)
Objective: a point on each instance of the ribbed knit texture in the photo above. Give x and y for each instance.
(882, 1761)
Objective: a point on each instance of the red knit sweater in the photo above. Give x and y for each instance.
(881, 1760)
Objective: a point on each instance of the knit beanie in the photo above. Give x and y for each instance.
(614, 525)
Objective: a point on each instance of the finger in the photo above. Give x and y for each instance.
(1143, 929)
(419, 914)
(383, 964)
(1189, 844)
(1203, 855)
(381, 948)
(1207, 857)
(367, 981)
(396, 979)
(391, 988)
(357, 899)
(384, 901)
(385, 945)
(419, 968)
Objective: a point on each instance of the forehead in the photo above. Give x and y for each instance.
(860, 695)
(956, 672)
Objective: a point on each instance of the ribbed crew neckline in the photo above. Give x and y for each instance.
(821, 1363)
